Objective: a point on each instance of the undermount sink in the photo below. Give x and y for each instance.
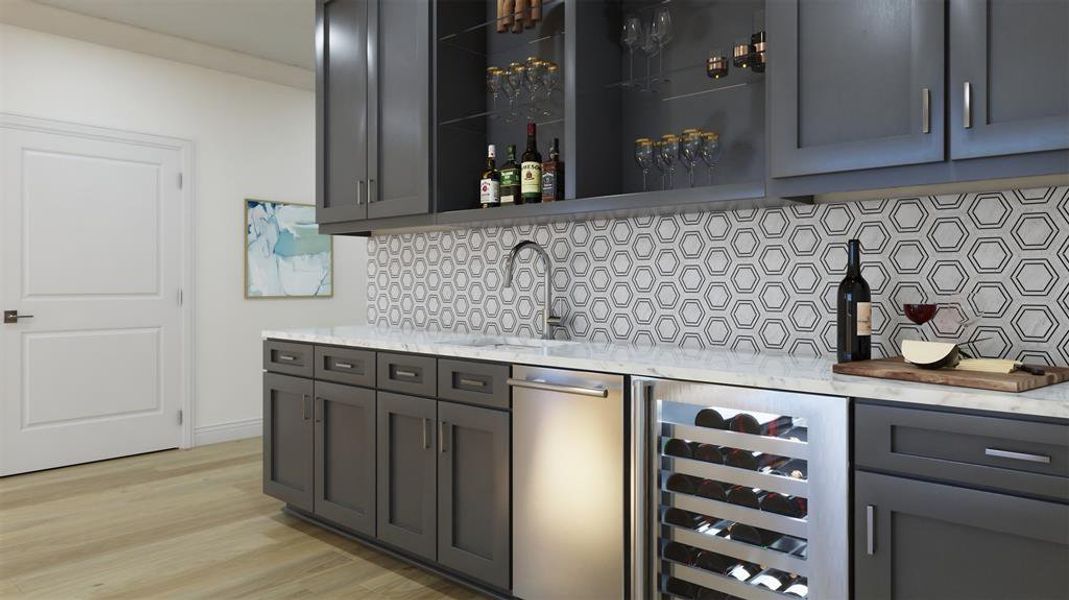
(512, 342)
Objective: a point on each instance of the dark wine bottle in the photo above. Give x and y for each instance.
(745, 496)
(747, 423)
(510, 178)
(854, 310)
(531, 169)
(744, 571)
(712, 490)
(710, 417)
(684, 518)
(677, 447)
(749, 534)
(740, 459)
(774, 579)
(678, 587)
(717, 563)
(708, 594)
(788, 506)
(680, 553)
(708, 453)
(684, 484)
(794, 468)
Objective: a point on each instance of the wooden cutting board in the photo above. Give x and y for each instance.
(897, 368)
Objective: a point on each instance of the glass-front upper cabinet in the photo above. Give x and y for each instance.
(637, 102)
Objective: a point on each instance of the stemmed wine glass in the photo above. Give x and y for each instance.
(689, 148)
(658, 159)
(494, 76)
(550, 83)
(644, 156)
(669, 154)
(515, 76)
(710, 151)
(649, 47)
(631, 37)
(533, 77)
(661, 32)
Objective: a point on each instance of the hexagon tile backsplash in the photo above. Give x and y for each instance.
(755, 280)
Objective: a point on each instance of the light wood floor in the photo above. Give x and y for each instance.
(181, 524)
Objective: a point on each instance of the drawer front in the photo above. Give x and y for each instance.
(989, 452)
(345, 365)
(407, 373)
(485, 384)
(290, 358)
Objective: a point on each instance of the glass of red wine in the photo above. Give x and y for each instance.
(920, 313)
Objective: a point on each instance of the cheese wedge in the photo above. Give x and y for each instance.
(987, 365)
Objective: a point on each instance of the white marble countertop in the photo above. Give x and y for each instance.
(793, 373)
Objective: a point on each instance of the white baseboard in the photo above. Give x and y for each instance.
(226, 432)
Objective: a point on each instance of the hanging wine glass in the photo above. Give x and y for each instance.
(689, 148)
(669, 154)
(710, 151)
(631, 38)
(494, 76)
(644, 157)
(662, 34)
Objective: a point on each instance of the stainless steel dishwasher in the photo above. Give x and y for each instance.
(570, 476)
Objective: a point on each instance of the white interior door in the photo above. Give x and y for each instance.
(91, 241)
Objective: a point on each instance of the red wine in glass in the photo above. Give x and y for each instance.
(920, 313)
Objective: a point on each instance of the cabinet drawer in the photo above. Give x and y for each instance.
(485, 384)
(288, 357)
(407, 373)
(345, 365)
(990, 452)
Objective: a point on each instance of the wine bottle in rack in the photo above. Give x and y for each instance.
(708, 594)
(741, 495)
(799, 588)
(749, 534)
(683, 484)
(765, 425)
(712, 490)
(854, 332)
(677, 447)
(710, 417)
(788, 506)
(678, 587)
(680, 553)
(707, 453)
(795, 468)
(684, 518)
(774, 579)
(717, 563)
(744, 571)
(741, 459)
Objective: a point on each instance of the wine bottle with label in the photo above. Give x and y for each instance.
(531, 169)
(854, 310)
(490, 183)
(553, 175)
(510, 178)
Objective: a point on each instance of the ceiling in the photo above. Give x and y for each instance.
(277, 30)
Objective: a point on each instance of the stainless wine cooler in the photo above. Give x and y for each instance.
(742, 492)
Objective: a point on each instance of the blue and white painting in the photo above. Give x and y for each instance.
(285, 255)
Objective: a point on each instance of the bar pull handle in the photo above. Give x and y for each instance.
(360, 192)
(471, 382)
(926, 110)
(870, 530)
(404, 373)
(426, 436)
(286, 358)
(967, 100)
(441, 436)
(304, 407)
(342, 365)
(1010, 454)
(371, 191)
(316, 413)
(553, 387)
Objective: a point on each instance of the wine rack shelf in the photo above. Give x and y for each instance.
(722, 583)
(753, 554)
(754, 479)
(740, 514)
(734, 439)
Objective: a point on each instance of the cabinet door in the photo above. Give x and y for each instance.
(855, 84)
(345, 456)
(406, 473)
(915, 539)
(288, 451)
(341, 110)
(1009, 77)
(473, 494)
(399, 150)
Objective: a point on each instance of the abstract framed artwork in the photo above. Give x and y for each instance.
(285, 255)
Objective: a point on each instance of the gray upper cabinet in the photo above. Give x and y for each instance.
(1009, 77)
(341, 110)
(288, 430)
(915, 539)
(473, 494)
(855, 84)
(406, 473)
(399, 148)
(345, 456)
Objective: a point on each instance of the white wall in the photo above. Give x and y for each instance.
(252, 139)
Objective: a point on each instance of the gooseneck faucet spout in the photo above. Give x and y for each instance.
(549, 321)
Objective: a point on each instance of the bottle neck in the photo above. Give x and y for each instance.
(853, 259)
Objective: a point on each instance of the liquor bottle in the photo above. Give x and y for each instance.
(679, 553)
(717, 563)
(855, 309)
(684, 484)
(708, 453)
(553, 175)
(710, 417)
(490, 184)
(531, 169)
(680, 448)
(713, 490)
(510, 178)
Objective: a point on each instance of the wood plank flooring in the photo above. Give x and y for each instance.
(182, 524)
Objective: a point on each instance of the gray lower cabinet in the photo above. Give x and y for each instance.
(407, 492)
(345, 456)
(1009, 77)
(473, 492)
(916, 539)
(855, 84)
(288, 430)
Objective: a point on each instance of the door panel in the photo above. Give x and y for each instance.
(406, 473)
(399, 108)
(345, 456)
(938, 541)
(341, 110)
(289, 464)
(1014, 58)
(91, 246)
(838, 103)
(473, 498)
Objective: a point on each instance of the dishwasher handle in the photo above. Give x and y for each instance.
(554, 387)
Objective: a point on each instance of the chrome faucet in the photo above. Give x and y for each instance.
(549, 320)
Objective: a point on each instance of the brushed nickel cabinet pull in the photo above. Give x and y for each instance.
(471, 382)
(1010, 454)
(402, 373)
(967, 99)
(441, 436)
(286, 358)
(371, 191)
(423, 431)
(342, 365)
(553, 387)
(870, 530)
(318, 415)
(926, 110)
(360, 192)
(304, 407)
